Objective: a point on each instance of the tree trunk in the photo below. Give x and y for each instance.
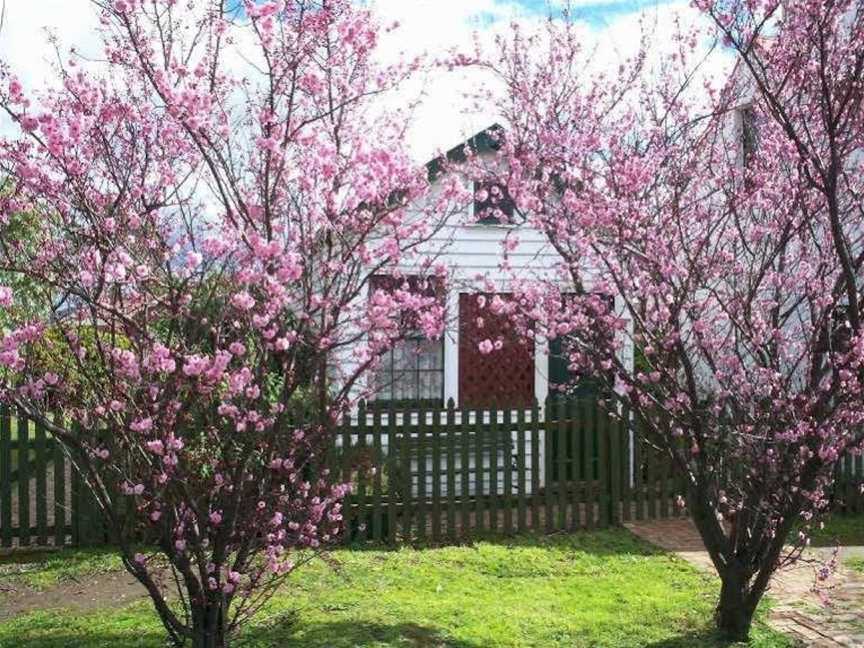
(734, 614)
(208, 626)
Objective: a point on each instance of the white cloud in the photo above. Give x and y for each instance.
(426, 26)
(26, 28)
(434, 26)
(35, 32)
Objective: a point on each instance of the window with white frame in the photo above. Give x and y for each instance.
(412, 371)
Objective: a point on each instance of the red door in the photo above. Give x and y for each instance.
(504, 377)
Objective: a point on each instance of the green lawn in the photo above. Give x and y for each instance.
(589, 589)
(40, 570)
(840, 529)
(855, 564)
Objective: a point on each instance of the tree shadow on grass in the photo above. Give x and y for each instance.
(349, 634)
(143, 639)
(339, 634)
(705, 639)
(603, 542)
(709, 638)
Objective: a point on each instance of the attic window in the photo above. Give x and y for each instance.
(492, 204)
(749, 135)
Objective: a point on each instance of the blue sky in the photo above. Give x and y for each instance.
(597, 13)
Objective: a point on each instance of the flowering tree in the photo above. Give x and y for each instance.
(210, 205)
(733, 252)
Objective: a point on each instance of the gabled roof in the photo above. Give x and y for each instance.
(486, 141)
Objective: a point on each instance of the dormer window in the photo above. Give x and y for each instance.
(749, 135)
(492, 204)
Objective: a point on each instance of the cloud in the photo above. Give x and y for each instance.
(426, 26)
(24, 41)
(35, 33)
(612, 28)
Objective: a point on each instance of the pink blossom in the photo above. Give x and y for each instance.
(141, 425)
(193, 260)
(156, 447)
(243, 301)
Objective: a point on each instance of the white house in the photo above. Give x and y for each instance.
(434, 371)
(472, 247)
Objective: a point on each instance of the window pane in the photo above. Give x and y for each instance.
(412, 370)
(431, 354)
(404, 356)
(405, 385)
(431, 383)
(383, 378)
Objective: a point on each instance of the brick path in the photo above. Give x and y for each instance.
(799, 611)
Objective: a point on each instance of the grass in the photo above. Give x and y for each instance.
(855, 564)
(40, 570)
(605, 588)
(840, 529)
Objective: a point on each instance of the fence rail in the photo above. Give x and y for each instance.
(417, 474)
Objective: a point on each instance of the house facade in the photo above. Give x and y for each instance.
(474, 244)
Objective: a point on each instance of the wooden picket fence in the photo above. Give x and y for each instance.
(417, 473)
(43, 500)
(449, 474)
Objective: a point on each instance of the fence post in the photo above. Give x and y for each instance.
(23, 480)
(59, 461)
(377, 514)
(363, 460)
(494, 444)
(407, 482)
(589, 437)
(665, 474)
(627, 476)
(464, 464)
(507, 464)
(859, 481)
(561, 411)
(41, 491)
(345, 461)
(651, 479)
(451, 471)
(522, 481)
(5, 477)
(437, 437)
(613, 431)
(479, 501)
(603, 465)
(422, 511)
(580, 465)
(392, 474)
(535, 465)
(548, 462)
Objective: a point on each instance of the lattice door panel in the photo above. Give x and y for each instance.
(504, 377)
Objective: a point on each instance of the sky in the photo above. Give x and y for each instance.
(426, 26)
